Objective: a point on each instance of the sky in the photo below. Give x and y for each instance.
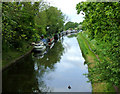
(68, 7)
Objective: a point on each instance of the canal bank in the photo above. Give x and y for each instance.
(91, 59)
(12, 56)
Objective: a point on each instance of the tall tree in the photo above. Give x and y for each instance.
(55, 20)
(26, 22)
(71, 25)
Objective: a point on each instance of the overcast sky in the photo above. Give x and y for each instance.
(68, 7)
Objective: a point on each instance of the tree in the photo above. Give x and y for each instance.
(18, 23)
(71, 25)
(55, 20)
(23, 22)
(102, 21)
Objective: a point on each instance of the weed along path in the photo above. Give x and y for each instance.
(61, 69)
(92, 59)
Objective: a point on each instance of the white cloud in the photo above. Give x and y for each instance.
(68, 7)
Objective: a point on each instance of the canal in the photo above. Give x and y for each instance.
(62, 66)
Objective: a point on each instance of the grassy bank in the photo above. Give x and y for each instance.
(11, 55)
(91, 60)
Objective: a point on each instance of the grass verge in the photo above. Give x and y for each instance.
(91, 61)
(11, 55)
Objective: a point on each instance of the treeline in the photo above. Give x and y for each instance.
(102, 22)
(27, 21)
(70, 24)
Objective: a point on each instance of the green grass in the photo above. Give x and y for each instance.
(90, 59)
(97, 48)
(87, 53)
(11, 54)
(92, 42)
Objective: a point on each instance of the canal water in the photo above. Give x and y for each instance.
(54, 71)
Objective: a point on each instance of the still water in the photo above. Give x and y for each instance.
(61, 66)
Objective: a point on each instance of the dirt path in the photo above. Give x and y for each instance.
(92, 51)
(115, 87)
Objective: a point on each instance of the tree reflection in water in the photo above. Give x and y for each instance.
(46, 64)
(27, 74)
(20, 77)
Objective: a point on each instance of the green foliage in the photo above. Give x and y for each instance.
(26, 22)
(102, 21)
(71, 25)
(55, 20)
(16, 23)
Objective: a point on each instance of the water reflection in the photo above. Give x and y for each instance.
(45, 65)
(21, 77)
(27, 74)
(68, 69)
(38, 55)
(54, 71)
(53, 56)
